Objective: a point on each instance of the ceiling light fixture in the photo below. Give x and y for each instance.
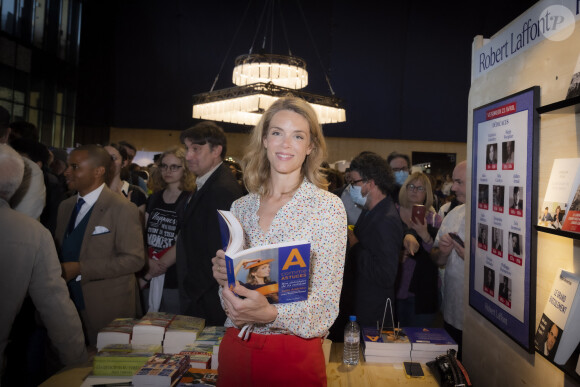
(261, 79)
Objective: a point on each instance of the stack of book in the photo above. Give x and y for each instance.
(182, 330)
(386, 347)
(212, 336)
(161, 370)
(151, 328)
(122, 359)
(118, 331)
(428, 343)
(200, 355)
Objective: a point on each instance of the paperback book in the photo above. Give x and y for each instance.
(151, 328)
(161, 370)
(182, 330)
(200, 355)
(559, 210)
(430, 339)
(118, 331)
(278, 271)
(122, 359)
(558, 333)
(386, 347)
(198, 377)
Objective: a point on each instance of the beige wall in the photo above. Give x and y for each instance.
(492, 358)
(338, 148)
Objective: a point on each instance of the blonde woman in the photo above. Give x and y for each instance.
(287, 201)
(171, 183)
(417, 290)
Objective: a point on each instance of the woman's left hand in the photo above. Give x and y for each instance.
(254, 308)
(421, 229)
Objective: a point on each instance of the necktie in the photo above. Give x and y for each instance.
(73, 217)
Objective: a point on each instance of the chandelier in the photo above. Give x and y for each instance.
(260, 80)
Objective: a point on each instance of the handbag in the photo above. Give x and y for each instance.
(449, 371)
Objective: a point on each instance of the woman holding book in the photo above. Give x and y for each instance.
(287, 201)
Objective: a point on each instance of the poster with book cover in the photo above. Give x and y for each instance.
(279, 271)
(503, 163)
(558, 334)
(562, 187)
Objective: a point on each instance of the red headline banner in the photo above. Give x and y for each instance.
(501, 111)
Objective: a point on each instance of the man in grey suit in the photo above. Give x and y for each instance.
(100, 242)
(29, 264)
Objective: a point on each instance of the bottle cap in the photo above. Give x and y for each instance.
(352, 318)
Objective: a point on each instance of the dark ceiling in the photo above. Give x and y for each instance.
(402, 68)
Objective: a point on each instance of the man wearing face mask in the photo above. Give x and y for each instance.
(400, 165)
(376, 240)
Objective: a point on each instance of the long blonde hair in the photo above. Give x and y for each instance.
(156, 182)
(255, 161)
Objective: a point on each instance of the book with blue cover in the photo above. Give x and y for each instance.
(279, 271)
(430, 339)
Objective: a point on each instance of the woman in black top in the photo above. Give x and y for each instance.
(171, 183)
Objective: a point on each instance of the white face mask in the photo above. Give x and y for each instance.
(356, 195)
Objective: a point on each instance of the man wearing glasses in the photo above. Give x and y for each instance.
(376, 239)
(401, 166)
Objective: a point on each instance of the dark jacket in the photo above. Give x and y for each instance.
(375, 260)
(197, 243)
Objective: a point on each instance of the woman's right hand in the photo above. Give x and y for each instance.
(219, 268)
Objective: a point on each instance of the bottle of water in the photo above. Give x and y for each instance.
(351, 342)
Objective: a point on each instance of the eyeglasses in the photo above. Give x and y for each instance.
(172, 167)
(354, 182)
(405, 169)
(412, 187)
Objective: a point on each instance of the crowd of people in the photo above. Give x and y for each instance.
(95, 237)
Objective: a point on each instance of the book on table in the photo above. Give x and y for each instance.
(198, 377)
(279, 271)
(428, 343)
(151, 328)
(161, 370)
(200, 355)
(118, 331)
(212, 335)
(182, 330)
(122, 359)
(385, 347)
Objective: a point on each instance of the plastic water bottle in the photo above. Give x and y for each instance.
(351, 342)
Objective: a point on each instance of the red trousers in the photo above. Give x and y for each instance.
(270, 360)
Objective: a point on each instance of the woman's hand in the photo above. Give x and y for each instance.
(254, 308)
(411, 245)
(352, 239)
(155, 268)
(219, 268)
(421, 229)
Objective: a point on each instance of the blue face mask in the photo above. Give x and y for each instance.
(356, 195)
(401, 176)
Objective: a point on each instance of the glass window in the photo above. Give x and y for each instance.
(64, 32)
(38, 26)
(8, 16)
